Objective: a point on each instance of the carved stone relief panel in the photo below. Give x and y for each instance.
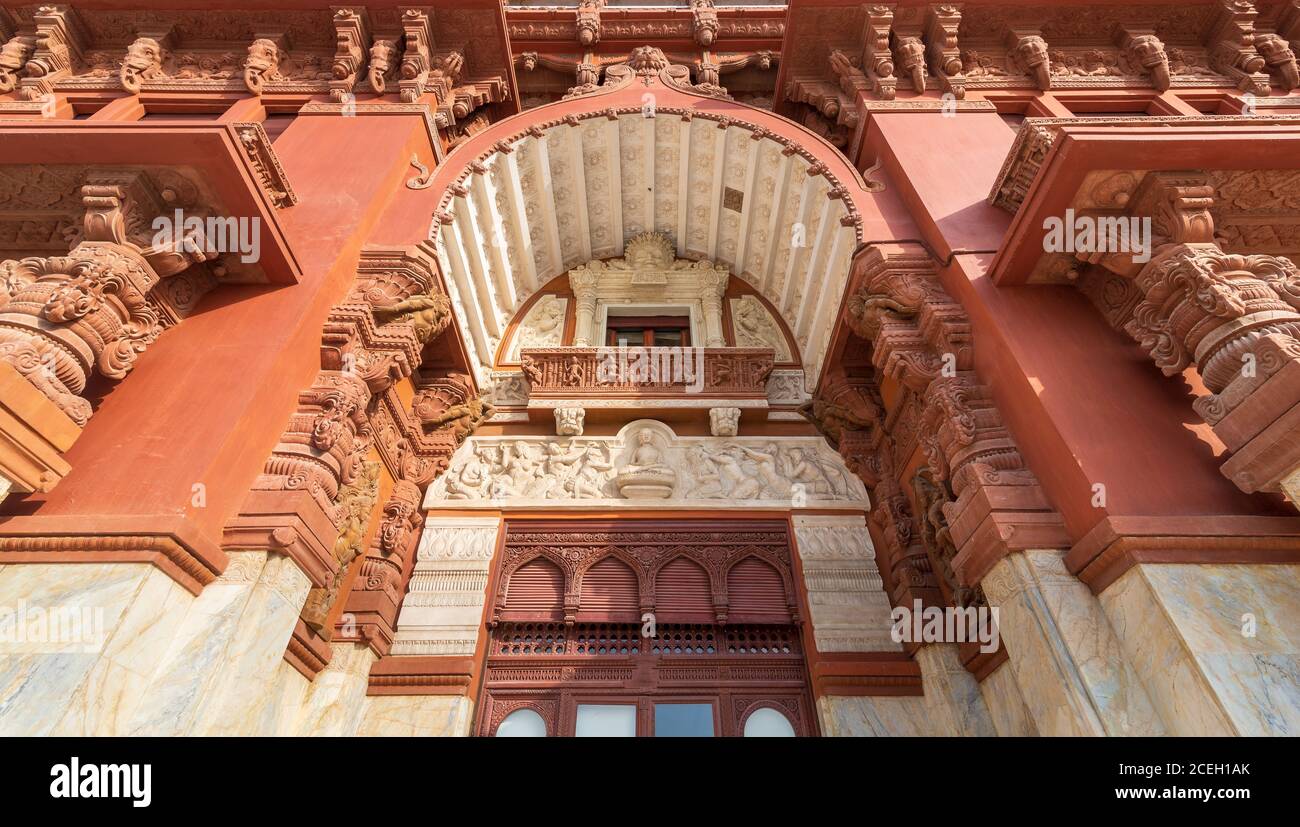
(647, 465)
(754, 326)
(542, 326)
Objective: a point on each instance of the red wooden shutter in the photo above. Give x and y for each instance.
(683, 593)
(536, 590)
(756, 593)
(609, 592)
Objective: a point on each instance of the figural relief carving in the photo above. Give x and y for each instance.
(645, 461)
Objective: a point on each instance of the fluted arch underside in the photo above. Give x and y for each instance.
(564, 193)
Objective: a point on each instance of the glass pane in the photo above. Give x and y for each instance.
(629, 338)
(668, 338)
(677, 720)
(522, 723)
(768, 723)
(606, 721)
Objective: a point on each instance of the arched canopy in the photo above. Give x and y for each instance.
(545, 191)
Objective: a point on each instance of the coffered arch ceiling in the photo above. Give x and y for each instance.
(535, 201)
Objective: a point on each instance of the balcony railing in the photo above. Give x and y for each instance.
(653, 372)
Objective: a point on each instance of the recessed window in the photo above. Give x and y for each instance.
(648, 331)
(768, 723)
(606, 721)
(683, 720)
(522, 723)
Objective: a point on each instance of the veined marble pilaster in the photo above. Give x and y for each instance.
(952, 695)
(876, 716)
(443, 609)
(1006, 705)
(82, 687)
(1217, 647)
(1068, 663)
(846, 597)
(243, 699)
(335, 701)
(224, 651)
(417, 715)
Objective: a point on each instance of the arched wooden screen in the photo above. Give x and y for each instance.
(683, 593)
(757, 593)
(536, 591)
(721, 634)
(609, 592)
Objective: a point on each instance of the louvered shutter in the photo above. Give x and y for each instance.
(536, 590)
(756, 593)
(683, 593)
(609, 592)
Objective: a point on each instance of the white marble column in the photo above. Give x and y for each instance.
(1006, 705)
(417, 716)
(1067, 661)
(215, 676)
(335, 701)
(584, 294)
(127, 615)
(1217, 646)
(952, 695)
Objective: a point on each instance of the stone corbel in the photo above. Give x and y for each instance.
(448, 404)
(941, 24)
(93, 309)
(417, 55)
(454, 101)
(908, 573)
(1028, 51)
(877, 61)
(568, 421)
(60, 41)
(1230, 44)
(1236, 318)
(724, 421)
(146, 57)
(1145, 52)
(830, 109)
(704, 22)
(352, 42)
(265, 54)
(1279, 59)
(1288, 24)
(370, 341)
(909, 51)
(14, 54)
(587, 22)
(917, 331)
(385, 57)
(354, 504)
(375, 599)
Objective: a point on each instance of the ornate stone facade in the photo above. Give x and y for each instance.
(376, 477)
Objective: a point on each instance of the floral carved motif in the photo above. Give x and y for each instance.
(95, 309)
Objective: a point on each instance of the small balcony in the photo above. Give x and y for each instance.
(674, 383)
